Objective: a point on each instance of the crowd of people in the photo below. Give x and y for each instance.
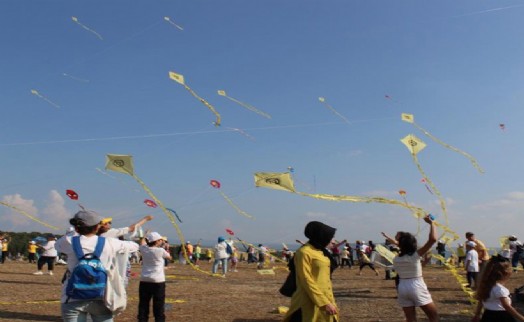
(312, 266)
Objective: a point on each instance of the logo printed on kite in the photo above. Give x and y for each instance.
(273, 181)
(412, 142)
(119, 163)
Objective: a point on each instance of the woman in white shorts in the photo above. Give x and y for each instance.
(412, 291)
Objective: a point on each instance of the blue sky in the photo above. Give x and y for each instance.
(456, 65)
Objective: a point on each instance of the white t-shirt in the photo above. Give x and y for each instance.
(111, 247)
(49, 249)
(472, 258)
(153, 264)
(408, 266)
(493, 301)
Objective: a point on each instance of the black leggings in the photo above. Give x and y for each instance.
(46, 259)
(156, 291)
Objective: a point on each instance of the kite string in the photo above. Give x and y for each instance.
(332, 109)
(249, 107)
(467, 155)
(20, 211)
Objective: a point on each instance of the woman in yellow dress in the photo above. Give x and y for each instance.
(313, 300)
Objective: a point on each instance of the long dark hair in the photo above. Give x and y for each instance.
(497, 269)
(407, 244)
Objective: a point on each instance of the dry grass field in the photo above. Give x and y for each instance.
(241, 296)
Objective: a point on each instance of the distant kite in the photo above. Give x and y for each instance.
(172, 23)
(76, 78)
(426, 185)
(179, 78)
(403, 194)
(409, 118)
(35, 92)
(75, 19)
(323, 100)
(502, 126)
(72, 194)
(150, 203)
(388, 97)
(216, 184)
(245, 105)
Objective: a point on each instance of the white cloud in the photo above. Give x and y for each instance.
(16, 219)
(513, 201)
(55, 210)
(516, 195)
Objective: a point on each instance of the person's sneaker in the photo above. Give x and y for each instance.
(38, 273)
(51, 273)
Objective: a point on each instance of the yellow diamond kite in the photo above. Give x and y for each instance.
(407, 117)
(414, 144)
(275, 180)
(221, 93)
(120, 163)
(179, 78)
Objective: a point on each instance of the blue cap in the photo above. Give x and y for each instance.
(221, 239)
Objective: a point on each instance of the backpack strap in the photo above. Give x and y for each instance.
(77, 247)
(99, 247)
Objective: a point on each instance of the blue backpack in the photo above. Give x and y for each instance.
(89, 278)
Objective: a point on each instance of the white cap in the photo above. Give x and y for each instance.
(153, 237)
(471, 244)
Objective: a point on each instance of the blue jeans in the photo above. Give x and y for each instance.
(77, 311)
(224, 265)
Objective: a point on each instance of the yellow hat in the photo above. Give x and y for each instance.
(106, 220)
(164, 238)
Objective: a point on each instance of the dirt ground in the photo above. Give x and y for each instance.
(241, 296)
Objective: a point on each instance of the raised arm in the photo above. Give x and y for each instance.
(432, 239)
(140, 223)
(391, 240)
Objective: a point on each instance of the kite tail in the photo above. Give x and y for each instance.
(20, 211)
(173, 221)
(467, 155)
(203, 101)
(434, 188)
(460, 279)
(416, 211)
(250, 107)
(240, 211)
